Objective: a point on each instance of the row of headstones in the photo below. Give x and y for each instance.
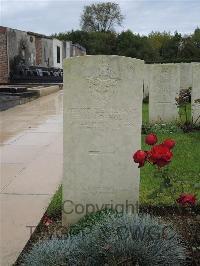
(163, 82)
(102, 128)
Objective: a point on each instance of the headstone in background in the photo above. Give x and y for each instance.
(195, 101)
(102, 128)
(164, 88)
(185, 75)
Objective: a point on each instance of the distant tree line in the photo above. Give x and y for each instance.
(98, 36)
(156, 47)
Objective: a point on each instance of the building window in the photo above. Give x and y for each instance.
(58, 54)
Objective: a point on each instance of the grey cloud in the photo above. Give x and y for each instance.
(48, 16)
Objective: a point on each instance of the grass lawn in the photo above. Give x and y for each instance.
(55, 206)
(145, 113)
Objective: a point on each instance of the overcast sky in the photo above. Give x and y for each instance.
(141, 16)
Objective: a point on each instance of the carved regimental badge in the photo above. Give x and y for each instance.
(102, 89)
(103, 83)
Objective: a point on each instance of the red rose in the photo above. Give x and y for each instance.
(151, 139)
(170, 143)
(46, 220)
(186, 199)
(140, 157)
(160, 155)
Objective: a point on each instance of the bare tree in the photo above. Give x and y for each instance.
(101, 17)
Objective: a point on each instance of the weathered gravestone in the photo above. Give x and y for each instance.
(185, 75)
(102, 128)
(196, 93)
(164, 88)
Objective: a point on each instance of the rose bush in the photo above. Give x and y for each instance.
(161, 155)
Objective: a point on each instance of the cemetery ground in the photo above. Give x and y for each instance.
(185, 169)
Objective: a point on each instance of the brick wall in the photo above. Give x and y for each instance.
(4, 72)
(38, 47)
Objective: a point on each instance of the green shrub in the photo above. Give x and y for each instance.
(161, 128)
(116, 240)
(89, 220)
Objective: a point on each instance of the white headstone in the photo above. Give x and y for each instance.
(196, 93)
(164, 88)
(102, 128)
(185, 75)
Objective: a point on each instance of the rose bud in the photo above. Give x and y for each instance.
(47, 221)
(151, 139)
(186, 199)
(140, 157)
(170, 143)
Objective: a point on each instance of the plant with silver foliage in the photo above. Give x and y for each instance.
(117, 240)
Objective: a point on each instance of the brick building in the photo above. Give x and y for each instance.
(4, 68)
(32, 49)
